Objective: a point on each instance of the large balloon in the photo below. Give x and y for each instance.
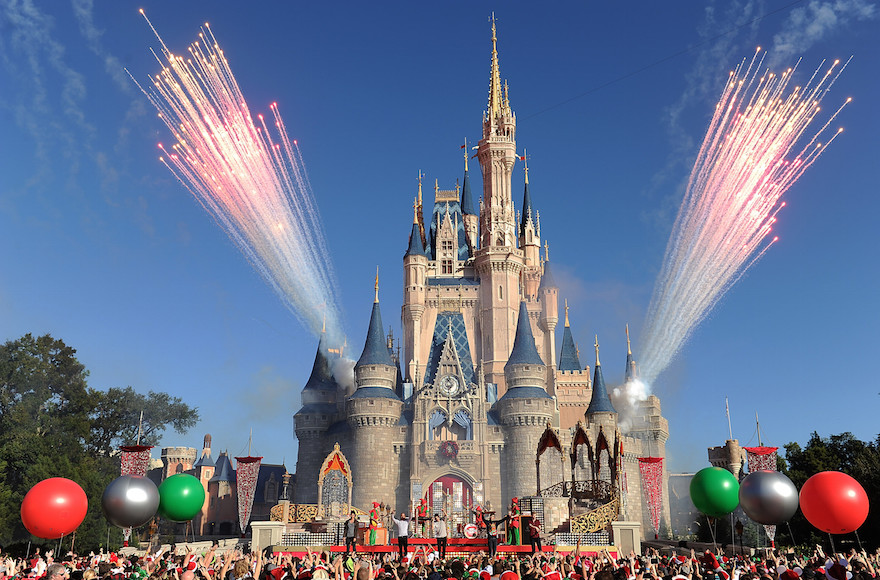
(54, 508)
(834, 502)
(768, 497)
(714, 491)
(130, 501)
(181, 497)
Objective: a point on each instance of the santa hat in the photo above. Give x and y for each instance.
(680, 577)
(712, 562)
(553, 575)
(837, 570)
(786, 574)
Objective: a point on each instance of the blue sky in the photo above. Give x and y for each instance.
(104, 249)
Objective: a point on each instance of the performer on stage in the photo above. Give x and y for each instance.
(535, 534)
(440, 533)
(513, 535)
(422, 514)
(492, 531)
(402, 534)
(351, 526)
(374, 522)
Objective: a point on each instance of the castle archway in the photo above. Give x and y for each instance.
(454, 495)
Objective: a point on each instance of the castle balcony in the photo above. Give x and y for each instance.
(464, 454)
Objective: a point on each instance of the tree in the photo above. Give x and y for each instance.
(843, 453)
(53, 425)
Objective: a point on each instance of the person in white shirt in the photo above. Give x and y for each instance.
(439, 529)
(402, 534)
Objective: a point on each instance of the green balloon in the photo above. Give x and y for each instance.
(714, 491)
(181, 497)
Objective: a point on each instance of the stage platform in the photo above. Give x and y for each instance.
(454, 547)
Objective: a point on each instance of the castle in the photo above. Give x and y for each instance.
(479, 391)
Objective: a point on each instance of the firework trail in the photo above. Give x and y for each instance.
(254, 185)
(749, 158)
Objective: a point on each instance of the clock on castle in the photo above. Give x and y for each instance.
(480, 367)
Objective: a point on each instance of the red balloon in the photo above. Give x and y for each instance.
(54, 508)
(834, 502)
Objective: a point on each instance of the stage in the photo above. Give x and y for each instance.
(454, 547)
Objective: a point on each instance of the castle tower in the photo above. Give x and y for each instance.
(319, 409)
(601, 412)
(471, 217)
(530, 242)
(373, 412)
(498, 262)
(548, 294)
(415, 272)
(524, 410)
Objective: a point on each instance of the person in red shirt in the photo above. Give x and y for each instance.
(535, 534)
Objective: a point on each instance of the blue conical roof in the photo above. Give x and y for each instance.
(629, 375)
(415, 242)
(601, 402)
(375, 348)
(526, 209)
(467, 200)
(568, 359)
(224, 470)
(547, 280)
(524, 351)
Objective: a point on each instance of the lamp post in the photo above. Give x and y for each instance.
(739, 532)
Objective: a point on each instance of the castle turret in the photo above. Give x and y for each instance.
(548, 294)
(319, 410)
(524, 410)
(601, 412)
(373, 412)
(530, 241)
(569, 359)
(415, 272)
(630, 374)
(468, 211)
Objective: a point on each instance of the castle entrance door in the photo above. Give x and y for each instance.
(456, 496)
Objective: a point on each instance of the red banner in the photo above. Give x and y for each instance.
(651, 471)
(246, 474)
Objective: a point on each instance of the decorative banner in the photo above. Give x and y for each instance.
(651, 472)
(246, 473)
(135, 461)
(763, 459)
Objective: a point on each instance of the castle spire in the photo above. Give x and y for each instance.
(527, 214)
(568, 359)
(524, 351)
(600, 401)
(630, 373)
(376, 300)
(375, 350)
(467, 199)
(495, 96)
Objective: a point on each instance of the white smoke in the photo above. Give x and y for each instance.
(808, 25)
(342, 369)
(626, 399)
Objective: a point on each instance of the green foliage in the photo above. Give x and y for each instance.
(52, 424)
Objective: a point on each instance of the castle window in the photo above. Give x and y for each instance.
(446, 267)
(271, 493)
(500, 292)
(446, 246)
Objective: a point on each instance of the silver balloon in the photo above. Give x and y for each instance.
(130, 501)
(768, 497)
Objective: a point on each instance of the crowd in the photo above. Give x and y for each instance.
(426, 564)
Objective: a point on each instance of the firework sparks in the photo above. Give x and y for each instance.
(749, 158)
(250, 179)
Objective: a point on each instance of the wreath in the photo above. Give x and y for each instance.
(449, 449)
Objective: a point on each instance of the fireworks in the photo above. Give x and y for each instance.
(748, 160)
(255, 185)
